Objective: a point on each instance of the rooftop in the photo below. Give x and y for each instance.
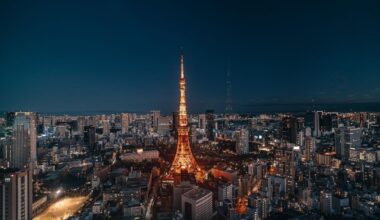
(197, 193)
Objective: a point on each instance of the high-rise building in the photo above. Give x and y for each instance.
(300, 138)
(154, 116)
(9, 118)
(257, 170)
(124, 123)
(106, 127)
(289, 129)
(340, 143)
(287, 160)
(16, 194)
(326, 203)
(300, 123)
(260, 204)
(328, 121)
(24, 142)
(178, 190)
(39, 125)
(197, 204)
(6, 147)
(81, 122)
(184, 161)
(346, 138)
(89, 137)
(210, 125)
(276, 186)
(242, 141)
(225, 191)
(317, 129)
(202, 121)
(163, 127)
(309, 145)
(354, 136)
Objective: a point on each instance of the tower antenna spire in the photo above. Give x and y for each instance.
(182, 65)
(228, 89)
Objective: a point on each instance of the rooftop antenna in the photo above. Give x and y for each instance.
(228, 108)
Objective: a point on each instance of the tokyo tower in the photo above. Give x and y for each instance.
(184, 160)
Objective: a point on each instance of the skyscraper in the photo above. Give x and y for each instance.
(106, 127)
(346, 138)
(339, 143)
(24, 140)
(124, 123)
(154, 116)
(325, 200)
(242, 141)
(225, 191)
(328, 122)
(16, 194)
(9, 118)
(197, 204)
(184, 161)
(317, 129)
(260, 204)
(6, 147)
(309, 144)
(289, 129)
(202, 121)
(178, 190)
(163, 127)
(89, 137)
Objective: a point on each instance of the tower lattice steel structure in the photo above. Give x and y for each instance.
(184, 160)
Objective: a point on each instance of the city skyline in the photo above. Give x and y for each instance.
(189, 110)
(77, 57)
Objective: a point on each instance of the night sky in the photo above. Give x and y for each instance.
(58, 56)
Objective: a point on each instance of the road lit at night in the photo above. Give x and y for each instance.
(62, 209)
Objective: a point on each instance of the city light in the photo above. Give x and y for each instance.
(276, 114)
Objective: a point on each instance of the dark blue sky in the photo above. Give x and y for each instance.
(60, 56)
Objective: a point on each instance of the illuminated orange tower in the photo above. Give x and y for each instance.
(184, 160)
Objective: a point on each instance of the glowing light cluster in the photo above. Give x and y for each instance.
(62, 209)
